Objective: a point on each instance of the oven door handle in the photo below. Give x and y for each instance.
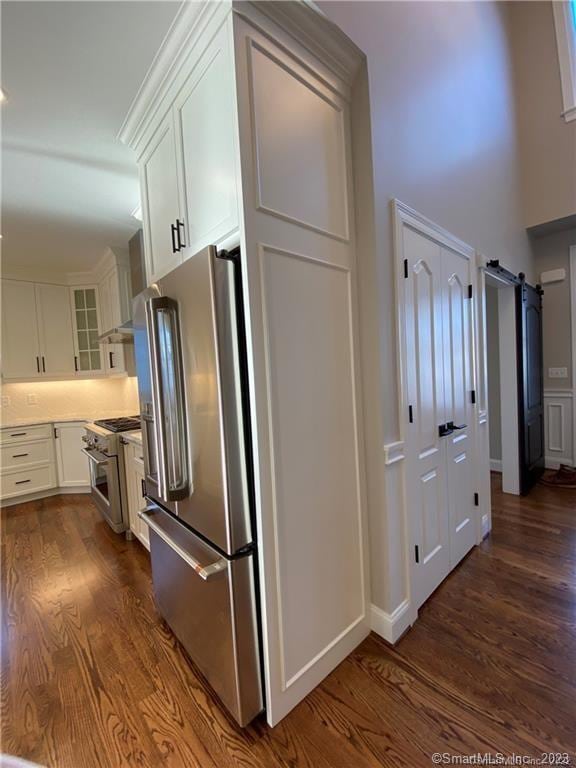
(205, 572)
(98, 462)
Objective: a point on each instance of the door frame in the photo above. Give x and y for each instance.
(572, 261)
(404, 216)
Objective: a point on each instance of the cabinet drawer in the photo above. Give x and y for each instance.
(27, 481)
(25, 434)
(13, 456)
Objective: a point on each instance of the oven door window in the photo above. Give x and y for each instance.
(99, 477)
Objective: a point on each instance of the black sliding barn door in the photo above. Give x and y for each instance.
(530, 385)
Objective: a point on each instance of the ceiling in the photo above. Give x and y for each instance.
(70, 71)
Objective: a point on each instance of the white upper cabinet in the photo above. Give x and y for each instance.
(20, 339)
(207, 148)
(55, 329)
(85, 314)
(160, 202)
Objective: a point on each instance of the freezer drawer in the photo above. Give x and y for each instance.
(209, 602)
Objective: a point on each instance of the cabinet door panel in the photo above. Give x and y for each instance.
(85, 315)
(55, 327)
(206, 143)
(160, 205)
(20, 342)
(73, 467)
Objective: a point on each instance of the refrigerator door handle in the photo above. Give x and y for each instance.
(205, 572)
(168, 397)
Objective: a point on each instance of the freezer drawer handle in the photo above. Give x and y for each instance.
(205, 572)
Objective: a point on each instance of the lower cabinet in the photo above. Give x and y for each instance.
(28, 464)
(73, 467)
(134, 468)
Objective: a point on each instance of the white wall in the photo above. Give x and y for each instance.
(85, 399)
(443, 140)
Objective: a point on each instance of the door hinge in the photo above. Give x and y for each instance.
(410, 414)
(473, 397)
(416, 553)
(476, 500)
(405, 267)
(470, 291)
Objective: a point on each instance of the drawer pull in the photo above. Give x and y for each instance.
(21, 482)
(18, 434)
(20, 455)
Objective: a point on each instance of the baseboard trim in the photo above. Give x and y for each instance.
(553, 463)
(496, 465)
(391, 626)
(44, 495)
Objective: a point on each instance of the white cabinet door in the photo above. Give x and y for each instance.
(160, 202)
(134, 467)
(73, 467)
(207, 147)
(115, 310)
(55, 329)
(85, 315)
(20, 342)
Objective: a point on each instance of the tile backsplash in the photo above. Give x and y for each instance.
(87, 398)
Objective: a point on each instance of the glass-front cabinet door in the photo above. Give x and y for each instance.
(88, 353)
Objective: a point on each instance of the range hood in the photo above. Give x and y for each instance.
(122, 334)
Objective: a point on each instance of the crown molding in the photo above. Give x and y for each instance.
(189, 23)
(305, 23)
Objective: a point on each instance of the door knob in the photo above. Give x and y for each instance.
(444, 430)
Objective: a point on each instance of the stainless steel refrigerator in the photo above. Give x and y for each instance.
(190, 359)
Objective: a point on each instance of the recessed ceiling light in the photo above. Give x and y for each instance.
(137, 212)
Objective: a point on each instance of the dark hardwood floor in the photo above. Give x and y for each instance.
(91, 676)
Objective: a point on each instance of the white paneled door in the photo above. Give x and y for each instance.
(438, 328)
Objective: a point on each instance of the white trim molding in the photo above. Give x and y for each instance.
(391, 626)
(496, 465)
(565, 23)
(558, 427)
(394, 452)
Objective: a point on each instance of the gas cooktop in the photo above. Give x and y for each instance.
(123, 424)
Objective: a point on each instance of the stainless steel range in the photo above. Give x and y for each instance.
(104, 451)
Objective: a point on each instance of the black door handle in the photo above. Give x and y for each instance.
(460, 426)
(173, 232)
(43, 365)
(444, 430)
(111, 359)
(181, 243)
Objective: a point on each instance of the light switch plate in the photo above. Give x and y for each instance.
(5, 401)
(32, 399)
(557, 373)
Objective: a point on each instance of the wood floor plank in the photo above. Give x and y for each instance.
(92, 676)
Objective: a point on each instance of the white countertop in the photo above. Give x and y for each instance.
(133, 437)
(86, 416)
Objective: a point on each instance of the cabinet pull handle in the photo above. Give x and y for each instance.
(143, 488)
(174, 232)
(75, 363)
(21, 482)
(37, 363)
(181, 243)
(18, 434)
(43, 365)
(111, 359)
(19, 455)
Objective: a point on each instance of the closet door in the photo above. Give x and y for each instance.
(426, 486)
(459, 411)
